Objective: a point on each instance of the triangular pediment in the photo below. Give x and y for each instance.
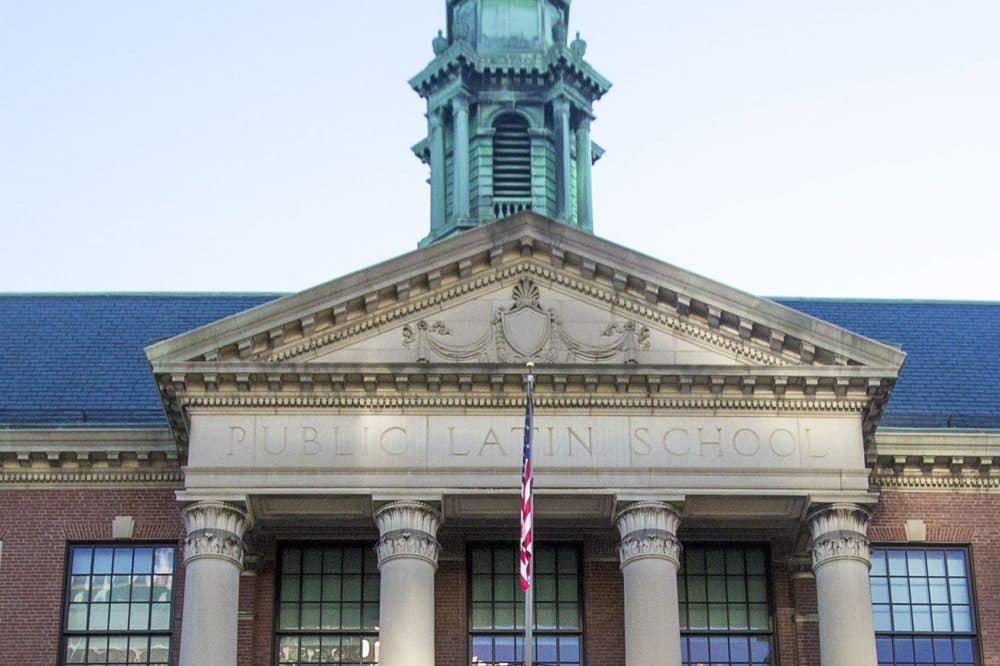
(462, 316)
(521, 319)
(592, 298)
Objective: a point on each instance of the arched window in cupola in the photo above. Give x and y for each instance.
(511, 165)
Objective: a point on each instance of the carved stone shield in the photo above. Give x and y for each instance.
(526, 330)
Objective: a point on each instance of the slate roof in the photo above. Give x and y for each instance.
(53, 348)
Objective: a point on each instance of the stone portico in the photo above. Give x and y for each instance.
(389, 403)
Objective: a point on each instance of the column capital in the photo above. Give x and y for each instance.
(407, 529)
(460, 102)
(840, 531)
(648, 529)
(434, 118)
(214, 530)
(561, 105)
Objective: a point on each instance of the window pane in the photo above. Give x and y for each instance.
(164, 561)
(726, 591)
(929, 594)
(497, 605)
(81, 560)
(328, 595)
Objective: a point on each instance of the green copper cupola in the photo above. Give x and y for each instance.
(509, 106)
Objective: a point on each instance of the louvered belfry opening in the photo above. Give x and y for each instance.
(511, 165)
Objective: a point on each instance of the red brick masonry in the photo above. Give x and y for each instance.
(37, 525)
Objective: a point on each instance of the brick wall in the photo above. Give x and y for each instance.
(451, 623)
(604, 613)
(37, 525)
(971, 519)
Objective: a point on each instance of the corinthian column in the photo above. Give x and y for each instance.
(650, 556)
(407, 559)
(213, 559)
(841, 558)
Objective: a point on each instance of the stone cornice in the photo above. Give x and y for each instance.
(530, 244)
(460, 55)
(936, 460)
(910, 442)
(709, 330)
(88, 455)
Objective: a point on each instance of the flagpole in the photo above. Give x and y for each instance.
(529, 594)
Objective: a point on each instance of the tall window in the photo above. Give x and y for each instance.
(328, 598)
(922, 604)
(511, 165)
(119, 603)
(497, 618)
(724, 610)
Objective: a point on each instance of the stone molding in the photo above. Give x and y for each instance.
(839, 531)
(936, 460)
(734, 344)
(407, 529)
(91, 477)
(494, 401)
(648, 529)
(83, 455)
(214, 530)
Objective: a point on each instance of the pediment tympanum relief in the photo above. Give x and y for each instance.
(526, 321)
(527, 331)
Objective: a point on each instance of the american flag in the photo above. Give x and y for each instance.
(527, 482)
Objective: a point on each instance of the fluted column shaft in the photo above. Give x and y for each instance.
(650, 557)
(841, 556)
(213, 560)
(407, 559)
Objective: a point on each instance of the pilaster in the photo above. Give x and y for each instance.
(460, 162)
(435, 133)
(561, 112)
(584, 161)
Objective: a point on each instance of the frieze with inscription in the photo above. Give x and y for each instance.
(485, 441)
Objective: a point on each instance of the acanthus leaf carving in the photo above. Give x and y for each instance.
(215, 530)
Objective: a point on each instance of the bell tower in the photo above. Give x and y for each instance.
(509, 106)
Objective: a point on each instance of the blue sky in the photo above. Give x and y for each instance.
(845, 149)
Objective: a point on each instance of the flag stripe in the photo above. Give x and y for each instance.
(527, 483)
